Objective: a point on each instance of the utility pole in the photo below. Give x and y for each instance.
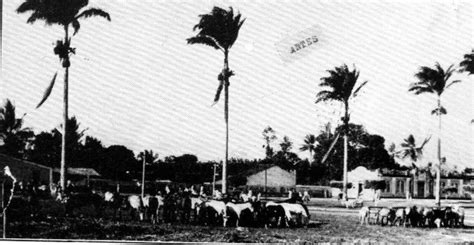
(4, 213)
(143, 176)
(214, 178)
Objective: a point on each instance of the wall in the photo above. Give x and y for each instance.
(26, 171)
(275, 177)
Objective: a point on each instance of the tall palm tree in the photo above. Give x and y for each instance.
(467, 65)
(434, 81)
(309, 145)
(340, 87)
(220, 29)
(13, 136)
(65, 13)
(410, 150)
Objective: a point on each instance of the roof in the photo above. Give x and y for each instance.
(11, 161)
(80, 171)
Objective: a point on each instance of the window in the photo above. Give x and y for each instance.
(387, 186)
(402, 186)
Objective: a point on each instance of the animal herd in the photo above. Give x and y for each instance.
(186, 209)
(450, 216)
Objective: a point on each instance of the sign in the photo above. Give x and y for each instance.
(299, 44)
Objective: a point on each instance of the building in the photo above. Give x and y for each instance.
(26, 171)
(276, 178)
(403, 183)
(80, 176)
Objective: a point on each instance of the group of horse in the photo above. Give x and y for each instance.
(187, 209)
(449, 216)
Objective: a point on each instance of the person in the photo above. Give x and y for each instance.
(193, 191)
(69, 188)
(202, 193)
(290, 194)
(217, 195)
(306, 197)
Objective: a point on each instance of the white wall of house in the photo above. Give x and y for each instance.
(276, 177)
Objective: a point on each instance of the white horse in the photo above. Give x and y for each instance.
(238, 208)
(297, 209)
(220, 208)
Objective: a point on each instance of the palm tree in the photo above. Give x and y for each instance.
(309, 145)
(220, 29)
(413, 152)
(468, 63)
(13, 135)
(434, 81)
(340, 84)
(65, 13)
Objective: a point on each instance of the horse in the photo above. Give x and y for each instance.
(214, 212)
(275, 215)
(74, 201)
(237, 208)
(114, 201)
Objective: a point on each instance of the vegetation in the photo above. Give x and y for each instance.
(65, 13)
(339, 86)
(13, 135)
(435, 81)
(220, 29)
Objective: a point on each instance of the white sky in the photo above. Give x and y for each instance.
(135, 81)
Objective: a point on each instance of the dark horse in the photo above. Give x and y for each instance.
(75, 201)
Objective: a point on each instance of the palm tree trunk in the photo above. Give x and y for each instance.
(65, 114)
(438, 176)
(346, 129)
(226, 111)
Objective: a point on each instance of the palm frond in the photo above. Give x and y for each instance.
(76, 26)
(358, 89)
(93, 12)
(206, 40)
(48, 90)
(453, 82)
(219, 90)
(426, 141)
(326, 95)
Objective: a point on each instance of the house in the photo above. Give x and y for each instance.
(26, 171)
(81, 176)
(419, 184)
(276, 178)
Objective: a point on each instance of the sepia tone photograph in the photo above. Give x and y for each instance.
(230, 121)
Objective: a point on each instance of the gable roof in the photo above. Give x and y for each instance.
(11, 161)
(80, 171)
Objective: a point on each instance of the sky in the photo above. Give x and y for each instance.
(134, 81)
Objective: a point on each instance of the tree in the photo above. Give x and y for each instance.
(286, 145)
(118, 159)
(340, 87)
(309, 145)
(220, 29)
(65, 13)
(46, 146)
(13, 136)
(150, 156)
(434, 81)
(468, 63)
(410, 150)
(269, 136)
(46, 149)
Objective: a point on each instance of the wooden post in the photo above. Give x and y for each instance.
(143, 177)
(265, 190)
(3, 211)
(214, 179)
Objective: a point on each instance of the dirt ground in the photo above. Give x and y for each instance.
(324, 227)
